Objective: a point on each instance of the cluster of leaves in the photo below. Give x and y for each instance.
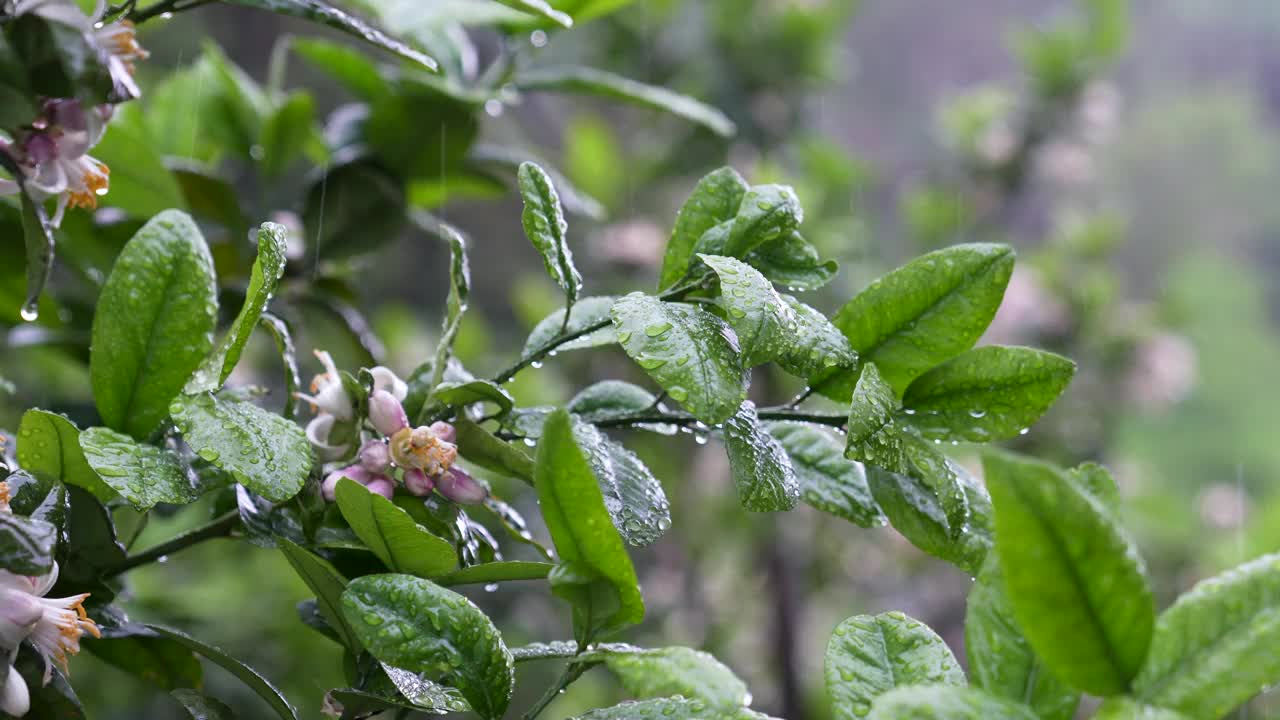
(1063, 607)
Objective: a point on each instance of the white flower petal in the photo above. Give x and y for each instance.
(16, 698)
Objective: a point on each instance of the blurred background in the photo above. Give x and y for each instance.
(1130, 152)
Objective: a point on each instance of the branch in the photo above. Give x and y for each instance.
(684, 419)
(572, 671)
(218, 527)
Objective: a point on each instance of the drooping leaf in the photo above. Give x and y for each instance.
(869, 655)
(1001, 660)
(874, 435)
(143, 474)
(416, 625)
(399, 542)
(591, 81)
(260, 450)
(760, 466)
(49, 445)
(244, 673)
(986, 394)
(946, 701)
(791, 261)
(690, 352)
(575, 200)
(1075, 581)
(263, 279)
(325, 14)
(714, 200)
(327, 583)
(914, 510)
(482, 448)
(679, 671)
(764, 324)
(1214, 648)
(632, 495)
(927, 311)
(202, 707)
(153, 324)
(546, 228)
(26, 544)
(586, 313)
(595, 564)
(828, 481)
(816, 345)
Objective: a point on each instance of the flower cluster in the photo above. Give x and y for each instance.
(52, 151)
(390, 452)
(53, 626)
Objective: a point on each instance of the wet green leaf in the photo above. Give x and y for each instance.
(143, 474)
(244, 673)
(986, 394)
(546, 228)
(350, 67)
(714, 200)
(1001, 660)
(945, 701)
(1123, 708)
(760, 466)
(325, 14)
(327, 583)
(609, 399)
(1214, 648)
(674, 708)
(419, 626)
(828, 481)
(791, 261)
(260, 450)
(458, 394)
(26, 545)
(49, 445)
(162, 661)
(153, 324)
(357, 207)
(496, 572)
(479, 446)
(816, 345)
(591, 81)
(390, 533)
(767, 212)
(286, 132)
(542, 9)
(1078, 588)
(927, 311)
(764, 324)
(690, 352)
(632, 495)
(587, 312)
(869, 655)
(914, 510)
(456, 307)
(202, 707)
(595, 574)
(679, 671)
(874, 435)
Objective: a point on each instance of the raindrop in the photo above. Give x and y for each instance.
(491, 587)
(977, 413)
(1024, 431)
(30, 312)
(493, 107)
(535, 364)
(538, 38)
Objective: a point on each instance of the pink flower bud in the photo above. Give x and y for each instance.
(461, 488)
(374, 456)
(444, 431)
(418, 483)
(382, 485)
(355, 472)
(386, 413)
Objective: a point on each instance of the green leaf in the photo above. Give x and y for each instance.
(791, 261)
(49, 445)
(760, 466)
(325, 14)
(609, 399)
(1123, 708)
(690, 352)
(546, 228)
(714, 200)
(1214, 648)
(927, 311)
(419, 626)
(286, 132)
(633, 496)
(261, 450)
(351, 68)
(587, 312)
(202, 707)
(143, 474)
(153, 324)
(828, 481)
(869, 655)
(541, 9)
(764, 324)
(584, 535)
(874, 436)
(679, 671)
(162, 661)
(459, 292)
(914, 510)
(986, 394)
(591, 81)
(1000, 659)
(357, 207)
(38, 242)
(1078, 588)
(390, 533)
(244, 673)
(141, 185)
(816, 346)
(53, 699)
(458, 394)
(768, 212)
(496, 572)
(1096, 480)
(283, 338)
(945, 701)
(481, 447)
(90, 548)
(327, 583)
(673, 708)
(264, 278)
(26, 544)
